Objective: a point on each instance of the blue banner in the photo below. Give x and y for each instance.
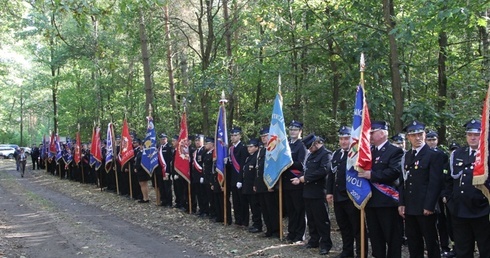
(221, 144)
(359, 189)
(109, 156)
(149, 157)
(278, 153)
(59, 152)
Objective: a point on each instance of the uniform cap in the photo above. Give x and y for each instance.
(295, 125)
(236, 130)
(344, 131)
(414, 127)
(379, 125)
(453, 146)
(264, 131)
(432, 135)
(473, 126)
(209, 139)
(199, 137)
(253, 142)
(162, 135)
(398, 138)
(175, 137)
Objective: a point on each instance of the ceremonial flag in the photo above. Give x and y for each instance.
(149, 157)
(182, 161)
(59, 151)
(78, 149)
(278, 153)
(95, 151)
(480, 172)
(109, 156)
(359, 156)
(126, 153)
(220, 154)
(67, 155)
(52, 146)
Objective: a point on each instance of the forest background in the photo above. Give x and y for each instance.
(70, 62)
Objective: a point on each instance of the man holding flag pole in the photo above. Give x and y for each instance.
(182, 160)
(278, 158)
(374, 176)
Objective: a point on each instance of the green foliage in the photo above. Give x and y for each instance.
(314, 45)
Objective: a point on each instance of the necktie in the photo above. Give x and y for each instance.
(414, 152)
(342, 154)
(472, 153)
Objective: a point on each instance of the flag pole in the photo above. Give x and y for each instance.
(222, 102)
(281, 230)
(363, 248)
(114, 159)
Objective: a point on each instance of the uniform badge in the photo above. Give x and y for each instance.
(377, 159)
(417, 164)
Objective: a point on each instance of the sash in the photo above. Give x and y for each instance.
(234, 162)
(162, 162)
(387, 190)
(296, 172)
(196, 164)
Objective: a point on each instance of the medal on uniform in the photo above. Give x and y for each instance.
(417, 164)
(376, 160)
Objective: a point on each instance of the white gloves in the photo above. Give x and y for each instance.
(176, 177)
(201, 180)
(238, 185)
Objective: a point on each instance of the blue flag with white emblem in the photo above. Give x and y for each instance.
(109, 156)
(221, 144)
(278, 153)
(149, 157)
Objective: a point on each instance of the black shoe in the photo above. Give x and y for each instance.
(342, 255)
(308, 246)
(324, 251)
(143, 201)
(254, 230)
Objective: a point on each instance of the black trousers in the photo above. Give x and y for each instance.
(420, 229)
(384, 231)
(35, 162)
(251, 203)
(349, 221)
(444, 227)
(202, 198)
(295, 208)
(238, 206)
(269, 205)
(467, 231)
(318, 223)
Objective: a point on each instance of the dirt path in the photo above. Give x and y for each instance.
(36, 221)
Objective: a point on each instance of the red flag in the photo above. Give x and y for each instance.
(52, 144)
(126, 151)
(182, 163)
(78, 147)
(480, 172)
(96, 157)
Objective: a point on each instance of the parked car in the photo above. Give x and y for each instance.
(27, 150)
(7, 152)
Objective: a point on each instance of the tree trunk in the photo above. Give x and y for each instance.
(485, 43)
(146, 61)
(229, 55)
(442, 86)
(170, 67)
(396, 85)
(258, 92)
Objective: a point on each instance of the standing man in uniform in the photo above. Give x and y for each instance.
(347, 215)
(199, 197)
(318, 162)
(268, 198)
(249, 172)
(35, 152)
(209, 170)
(420, 190)
(238, 153)
(382, 217)
(166, 189)
(468, 206)
(399, 141)
(293, 194)
(444, 227)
